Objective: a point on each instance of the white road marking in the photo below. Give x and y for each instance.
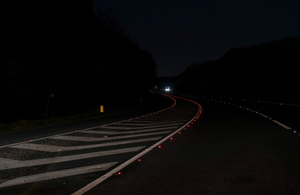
(120, 167)
(126, 132)
(263, 115)
(279, 123)
(50, 148)
(151, 121)
(148, 124)
(142, 127)
(45, 161)
(94, 139)
(57, 174)
(252, 110)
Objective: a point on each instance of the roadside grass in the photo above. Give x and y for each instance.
(108, 111)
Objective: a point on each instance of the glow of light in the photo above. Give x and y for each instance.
(294, 131)
(119, 173)
(139, 160)
(159, 146)
(171, 138)
(179, 132)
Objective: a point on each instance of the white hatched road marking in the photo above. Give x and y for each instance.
(94, 139)
(57, 174)
(149, 124)
(45, 161)
(126, 132)
(120, 167)
(263, 115)
(151, 121)
(279, 123)
(142, 127)
(50, 148)
(154, 124)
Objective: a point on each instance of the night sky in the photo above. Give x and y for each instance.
(181, 32)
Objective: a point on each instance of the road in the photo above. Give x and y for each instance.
(229, 150)
(66, 162)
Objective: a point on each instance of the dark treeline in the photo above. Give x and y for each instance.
(57, 58)
(269, 69)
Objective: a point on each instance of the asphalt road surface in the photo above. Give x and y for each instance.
(66, 162)
(229, 150)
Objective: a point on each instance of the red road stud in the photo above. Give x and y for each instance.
(159, 146)
(139, 160)
(171, 138)
(179, 132)
(119, 173)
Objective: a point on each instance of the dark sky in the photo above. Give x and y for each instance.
(181, 32)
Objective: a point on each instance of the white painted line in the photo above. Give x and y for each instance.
(45, 161)
(126, 132)
(151, 121)
(252, 110)
(148, 124)
(84, 129)
(143, 127)
(263, 115)
(50, 148)
(5, 161)
(120, 167)
(57, 174)
(279, 123)
(94, 139)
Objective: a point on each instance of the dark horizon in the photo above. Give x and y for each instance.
(181, 33)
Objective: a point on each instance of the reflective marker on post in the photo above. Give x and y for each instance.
(101, 109)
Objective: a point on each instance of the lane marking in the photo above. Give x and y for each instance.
(57, 174)
(50, 148)
(42, 138)
(151, 121)
(94, 139)
(263, 115)
(133, 159)
(279, 123)
(127, 132)
(148, 124)
(132, 128)
(45, 161)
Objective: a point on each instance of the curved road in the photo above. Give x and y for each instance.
(78, 160)
(228, 151)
